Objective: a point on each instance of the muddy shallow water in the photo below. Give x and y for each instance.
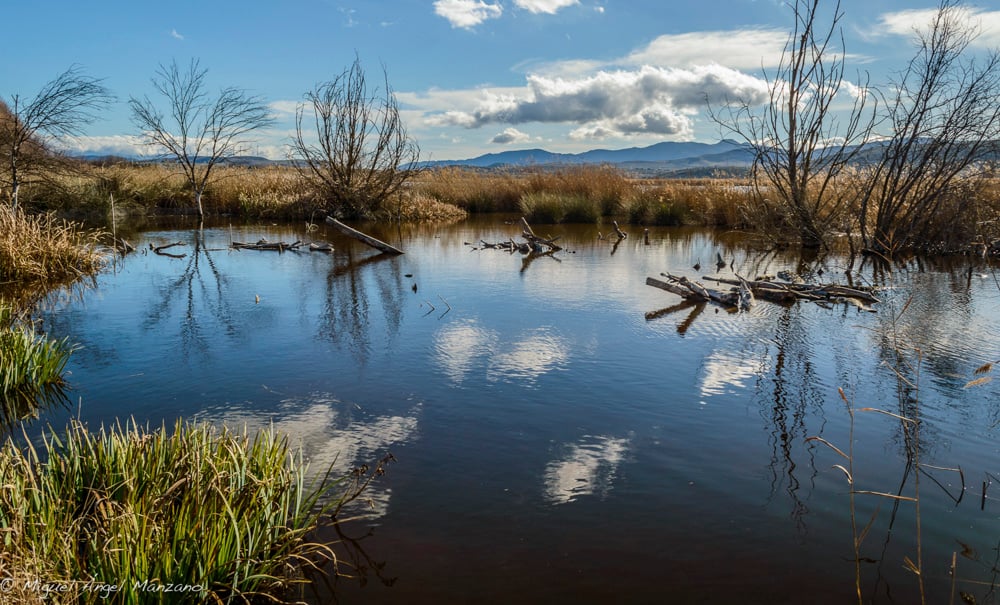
(554, 444)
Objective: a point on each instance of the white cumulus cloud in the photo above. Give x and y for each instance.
(651, 100)
(550, 7)
(509, 136)
(467, 13)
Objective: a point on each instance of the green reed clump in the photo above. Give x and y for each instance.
(31, 368)
(547, 207)
(225, 514)
(41, 247)
(653, 208)
(605, 186)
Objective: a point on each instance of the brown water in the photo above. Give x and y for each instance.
(554, 445)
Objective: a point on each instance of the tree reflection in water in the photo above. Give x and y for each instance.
(204, 294)
(794, 391)
(345, 317)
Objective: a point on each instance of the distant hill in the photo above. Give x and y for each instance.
(660, 157)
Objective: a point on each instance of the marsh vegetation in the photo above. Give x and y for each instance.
(225, 516)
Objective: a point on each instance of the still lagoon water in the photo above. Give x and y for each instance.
(564, 433)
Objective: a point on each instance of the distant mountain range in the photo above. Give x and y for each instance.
(662, 159)
(667, 157)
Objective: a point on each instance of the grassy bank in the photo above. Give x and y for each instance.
(590, 194)
(567, 194)
(127, 509)
(271, 192)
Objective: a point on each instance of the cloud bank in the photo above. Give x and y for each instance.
(748, 49)
(648, 100)
(114, 145)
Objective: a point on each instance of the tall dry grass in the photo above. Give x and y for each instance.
(473, 190)
(42, 247)
(587, 193)
(271, 192)
(719, 202)
(590, 192)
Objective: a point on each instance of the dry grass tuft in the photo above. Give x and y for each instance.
(473, 190)
(44, 248)
(417, 207)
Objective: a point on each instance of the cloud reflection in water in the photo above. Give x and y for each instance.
(724, 370)
(458, 346)
(332, 437)
(588, 467)
(463, 347)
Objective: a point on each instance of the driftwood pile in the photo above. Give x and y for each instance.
(743, 293)
(532, 243)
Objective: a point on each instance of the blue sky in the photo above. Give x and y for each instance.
(472, 76)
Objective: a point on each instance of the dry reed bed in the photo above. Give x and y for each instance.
(45, 248)
(584, 193)
(588, 193)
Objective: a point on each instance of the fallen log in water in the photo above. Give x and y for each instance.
(685, 288)
(363, 237)
(745, 292)
(816, 291)
(263, 244)
(538, 244)
(727, 299)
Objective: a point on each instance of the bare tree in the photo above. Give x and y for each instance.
(200, 131)
(359, 153)
(944, 114)
(61, 108)
(800, 147)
